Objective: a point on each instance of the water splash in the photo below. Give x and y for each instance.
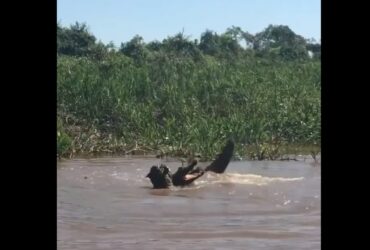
(251, 179)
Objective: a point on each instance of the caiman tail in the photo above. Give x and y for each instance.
(222, 161)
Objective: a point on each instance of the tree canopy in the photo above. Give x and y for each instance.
(274, 42)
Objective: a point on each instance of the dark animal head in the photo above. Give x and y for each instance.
(157, 178)
(154, 170)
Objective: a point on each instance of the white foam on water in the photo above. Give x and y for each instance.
(251, 179)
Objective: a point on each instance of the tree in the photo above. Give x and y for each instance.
(229, 44)
(154, 46)
(280, 40)
(315, 48)
(209, 43)
(76, 40)
(135, 48)
(239, 35)
(99, 51)
(181, 45)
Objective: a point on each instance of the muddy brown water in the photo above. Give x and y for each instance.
(107, 203)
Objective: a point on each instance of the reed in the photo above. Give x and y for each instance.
(180, 106)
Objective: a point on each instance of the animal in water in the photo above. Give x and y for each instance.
(161, 177)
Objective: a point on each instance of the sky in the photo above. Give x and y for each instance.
(120, 20)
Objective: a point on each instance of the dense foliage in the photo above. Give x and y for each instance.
(181, 97)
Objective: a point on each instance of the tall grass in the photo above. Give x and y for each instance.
(181, 106)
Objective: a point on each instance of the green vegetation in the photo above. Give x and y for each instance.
(181, 97)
